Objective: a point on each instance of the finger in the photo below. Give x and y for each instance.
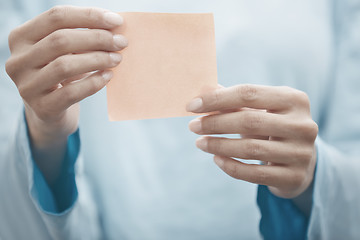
(276, 176)
(64, 97)
(65, 41)
(254, 149)
(60, 17)
(244, 122)
(75, 78)
(71, 65)
(275, 99)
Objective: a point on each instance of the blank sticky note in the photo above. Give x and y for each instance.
(170, 59)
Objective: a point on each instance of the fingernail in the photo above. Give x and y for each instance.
(107, 75)
(195, 125)
(194, 105)
(219, 161)
(115, 57)
(120, 41)
(202, 143)
(113, 18)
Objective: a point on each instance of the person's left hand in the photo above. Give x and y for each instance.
(276, 127)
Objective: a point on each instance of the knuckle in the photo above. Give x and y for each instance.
(216, 98)
(57, 14)
(259, 176)
(17, 68)
(252, 121)
(10, 66)
(24, 91)
(303, 155)
(214, 145)
(308, 154)
(292, 96)
(59, 39)
(302, 98)
(13, 37)
(305, 129)
(14, 67)
(97, 83)
(233, 170)
(69, 95)
(313, 130)
(62, 67)
(252, 150)
(309, 129)
(297, 179)
(209, 124)
(102, 60)
(89, 12)
(98, 58)
(92, 13)
(212, 100)
(246, 93)
(99, 36)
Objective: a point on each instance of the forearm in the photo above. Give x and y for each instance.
(47, 147)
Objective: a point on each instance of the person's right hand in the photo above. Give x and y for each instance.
(59, 58)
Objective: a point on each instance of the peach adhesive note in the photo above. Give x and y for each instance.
(170, 59)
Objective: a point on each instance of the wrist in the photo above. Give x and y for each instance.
(48, 147)
(47, 134)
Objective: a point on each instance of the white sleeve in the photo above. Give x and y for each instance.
(21, 216)
(336, 212)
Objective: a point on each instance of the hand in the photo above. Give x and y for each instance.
(52, 63)
(276, 127)
(55, 64)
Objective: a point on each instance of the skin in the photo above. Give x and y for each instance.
(276, 128)
(54, 65)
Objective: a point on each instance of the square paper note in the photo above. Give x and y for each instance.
(170, 59)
